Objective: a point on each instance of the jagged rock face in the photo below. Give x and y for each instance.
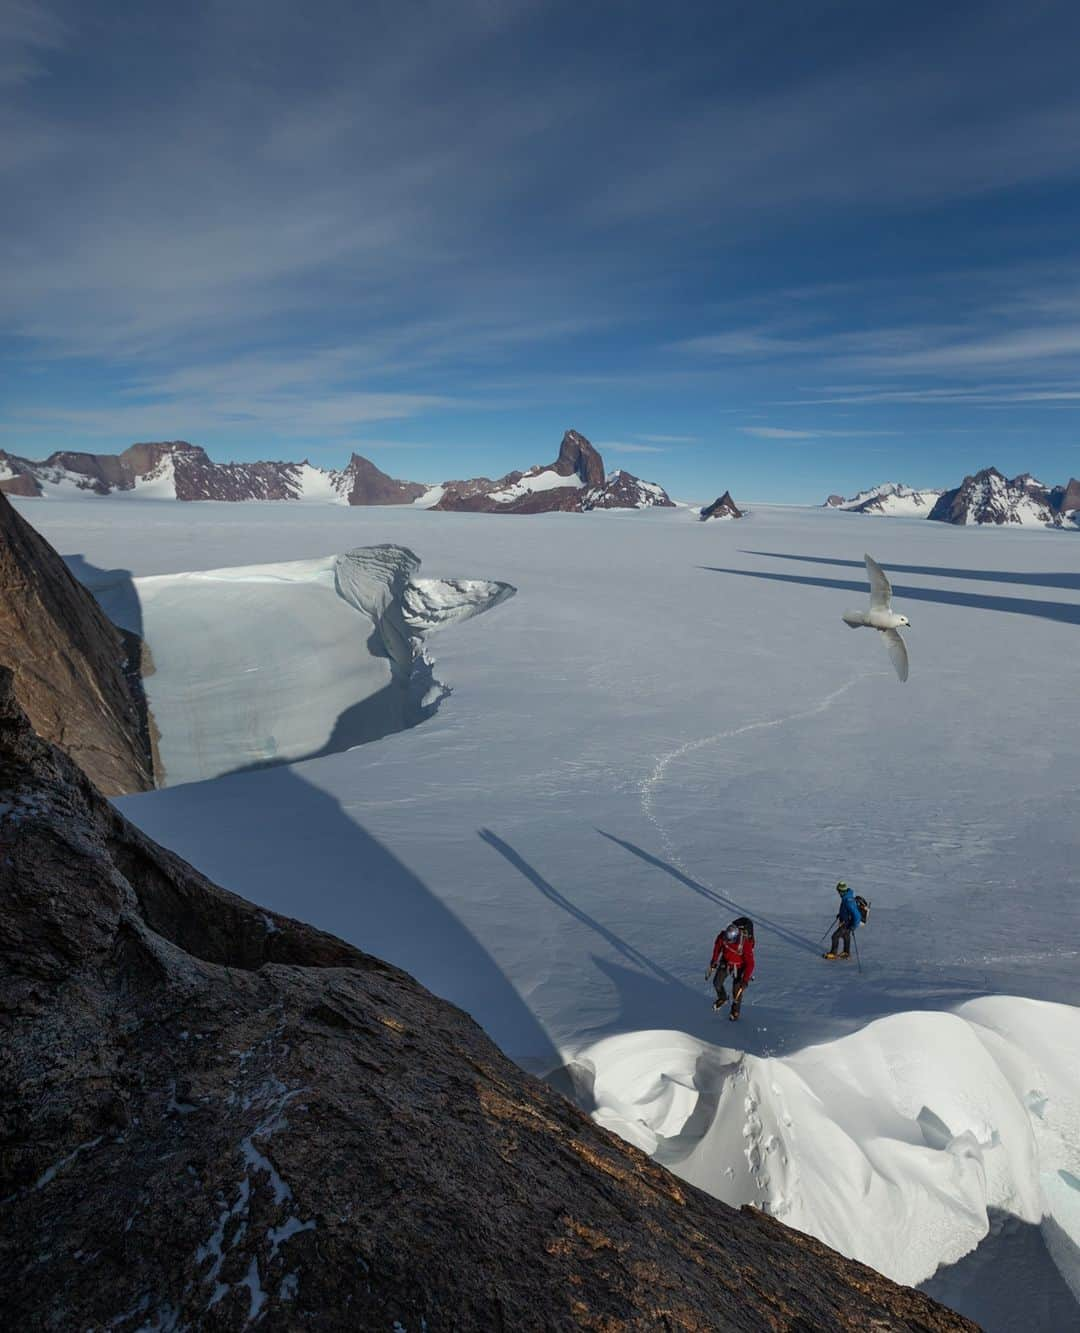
(538, 491)
(989, 497)
(15, 480)
(215, 1117)
(578, 458)
(69, 662)
(362, 483)
(196, 477)
(1066, 499)
(723, 507)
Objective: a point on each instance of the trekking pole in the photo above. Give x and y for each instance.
(855, 941)
(828, 929)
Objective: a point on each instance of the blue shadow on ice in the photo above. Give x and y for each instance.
(1067, 612)
(628, 951)
(1067, 582)
(740, 909)
(290, 846)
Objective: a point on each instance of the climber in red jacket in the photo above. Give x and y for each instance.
(732, 955)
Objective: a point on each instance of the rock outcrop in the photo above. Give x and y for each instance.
(362, 483)
(722, 507)
(574, 483)
(622, 490)
(990, 497)
(76, 677)
(216, 1117)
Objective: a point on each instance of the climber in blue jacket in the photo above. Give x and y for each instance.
(847, 920)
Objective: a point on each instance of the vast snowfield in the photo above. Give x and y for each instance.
(668, 725)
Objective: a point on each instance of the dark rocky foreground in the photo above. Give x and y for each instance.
(214, 1118)
(75, 676)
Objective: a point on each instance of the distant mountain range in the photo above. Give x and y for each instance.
(986, 497)
(177, 470)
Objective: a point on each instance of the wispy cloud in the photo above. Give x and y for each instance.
(27, 31)
(191, 416)
(782, 433)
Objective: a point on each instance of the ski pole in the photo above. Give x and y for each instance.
(828, 928)
(855, 941)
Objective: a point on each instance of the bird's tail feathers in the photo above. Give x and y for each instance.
(854, 619)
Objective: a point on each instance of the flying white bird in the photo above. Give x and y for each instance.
(882, 617)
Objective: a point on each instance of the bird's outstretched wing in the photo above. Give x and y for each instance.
(880, 587)
(897, 651)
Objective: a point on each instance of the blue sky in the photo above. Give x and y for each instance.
(783, 248)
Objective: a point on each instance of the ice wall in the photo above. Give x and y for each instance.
(265, 664)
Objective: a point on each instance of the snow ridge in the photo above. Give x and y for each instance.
(891, 1145)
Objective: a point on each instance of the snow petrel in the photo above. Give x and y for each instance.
(882, 617)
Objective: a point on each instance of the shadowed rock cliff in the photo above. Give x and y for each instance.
(69, 662)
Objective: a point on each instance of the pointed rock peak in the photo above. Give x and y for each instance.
(576, 455)
(722, 507)
(1066, 498)
(362, 483)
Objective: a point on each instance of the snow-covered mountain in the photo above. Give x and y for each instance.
(891, 498)
(986, 497)
(990, 497)
(177, 470)
(574, 483)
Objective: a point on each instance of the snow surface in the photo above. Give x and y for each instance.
(633, 753)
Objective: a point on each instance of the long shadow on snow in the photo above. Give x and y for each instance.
(1067, 612)
(799, 941)
(628, 951)
(1068, 582)
(287, 845)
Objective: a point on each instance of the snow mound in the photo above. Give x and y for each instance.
(890, 1144)
(264, 664)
